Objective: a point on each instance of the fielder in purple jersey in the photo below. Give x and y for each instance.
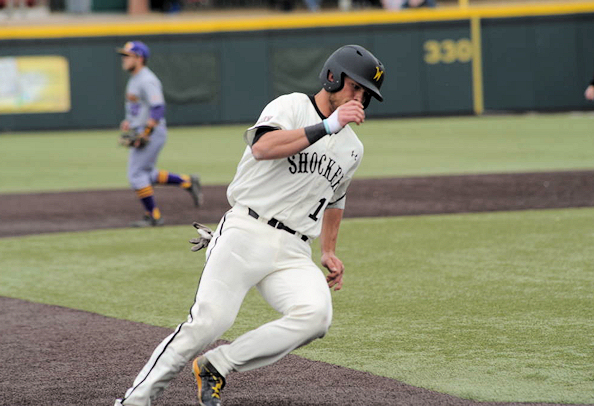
(145, 116)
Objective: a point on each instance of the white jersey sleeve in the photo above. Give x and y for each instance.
(296, 190)
(278, 114)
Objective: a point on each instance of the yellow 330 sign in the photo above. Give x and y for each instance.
(448, 51)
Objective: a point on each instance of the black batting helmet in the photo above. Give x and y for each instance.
(357, 63)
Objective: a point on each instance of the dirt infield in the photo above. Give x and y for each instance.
(37, 213)
(58, 356)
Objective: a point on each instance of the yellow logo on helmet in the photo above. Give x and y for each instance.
(378, 74)
(129, 45)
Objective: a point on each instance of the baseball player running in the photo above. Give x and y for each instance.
(146, 133)
(290, 187)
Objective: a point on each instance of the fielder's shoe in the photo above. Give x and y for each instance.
(210, 382)
(118, 402)
(148, 221)
(195, 190)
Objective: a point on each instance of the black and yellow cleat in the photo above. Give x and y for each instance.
(195, 190)
(210, 382)
(148, 221)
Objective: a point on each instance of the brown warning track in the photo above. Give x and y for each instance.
(57, 356)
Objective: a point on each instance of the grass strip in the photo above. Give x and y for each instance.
(493, 307)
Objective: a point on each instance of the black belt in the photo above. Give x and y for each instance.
(276, 224)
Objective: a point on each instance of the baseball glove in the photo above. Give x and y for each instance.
(136, 140)
(204, 239)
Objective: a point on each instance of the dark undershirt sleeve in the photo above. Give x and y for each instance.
(260, 131)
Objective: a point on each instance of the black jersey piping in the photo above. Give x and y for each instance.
(339, 199)
(180, 326)
(313, 101)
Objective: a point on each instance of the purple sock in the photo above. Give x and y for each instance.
(148, 203)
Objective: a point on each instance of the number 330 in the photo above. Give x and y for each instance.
(448, 51)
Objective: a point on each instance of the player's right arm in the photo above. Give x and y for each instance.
(589, 93)
(276, 144)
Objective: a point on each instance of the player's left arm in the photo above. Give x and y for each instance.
(157, 112)
(328, 239)
(156, 100)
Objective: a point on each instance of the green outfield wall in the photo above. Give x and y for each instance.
(438, 62)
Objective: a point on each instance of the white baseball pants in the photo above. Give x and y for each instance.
(243, 253)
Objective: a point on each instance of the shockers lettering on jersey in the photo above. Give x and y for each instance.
(322, 165)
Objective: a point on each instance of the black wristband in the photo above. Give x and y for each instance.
(315, 132)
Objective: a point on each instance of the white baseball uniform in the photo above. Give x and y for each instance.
(263, 241)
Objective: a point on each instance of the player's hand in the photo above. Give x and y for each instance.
(350, 112)
(335, 270)
(204, 239)
(589, 93)
(141, 141)
(143, 138)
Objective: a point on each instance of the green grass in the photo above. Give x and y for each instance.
(490, 144)
(91, 160)
(493, 307)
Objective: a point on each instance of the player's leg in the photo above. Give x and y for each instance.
(190, 183)
(152, 214)
(141, 165)
(222, 288)
(299, 291)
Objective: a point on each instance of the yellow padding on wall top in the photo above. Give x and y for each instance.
(126, 27)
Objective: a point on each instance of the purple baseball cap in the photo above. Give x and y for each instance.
(137, 48)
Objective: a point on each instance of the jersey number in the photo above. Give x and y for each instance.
(134, 109)
(314, 215)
